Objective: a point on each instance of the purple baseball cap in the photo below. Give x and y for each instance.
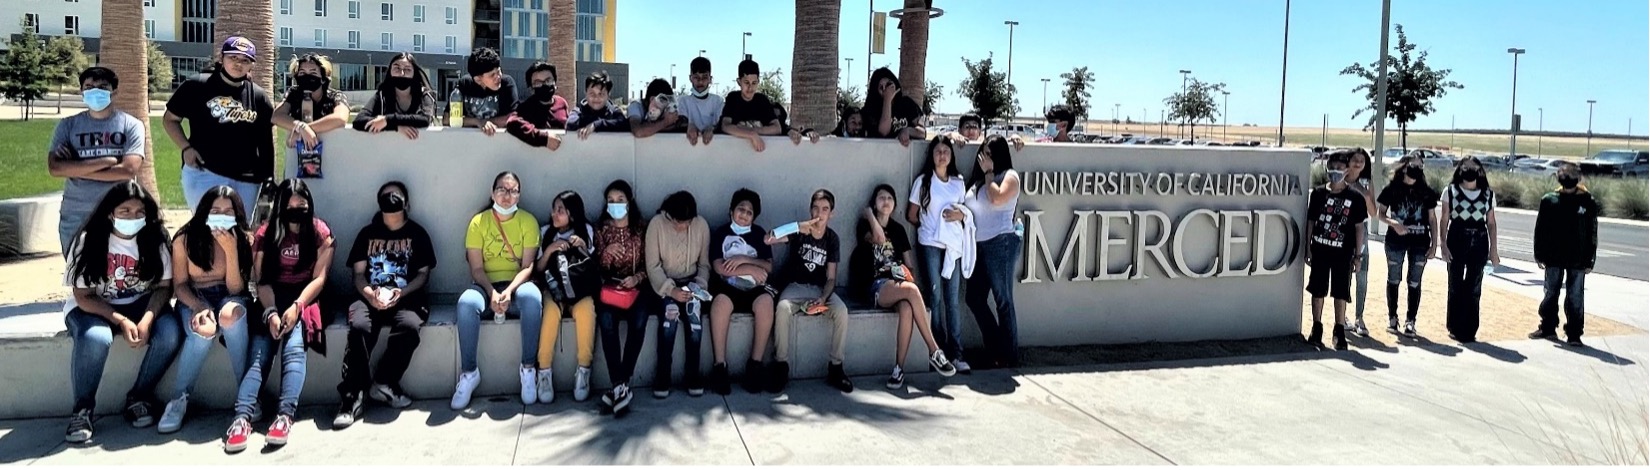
(240, 45)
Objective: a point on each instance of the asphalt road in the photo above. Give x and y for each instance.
(1623, 250)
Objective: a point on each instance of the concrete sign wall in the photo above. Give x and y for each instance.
(1172, 243)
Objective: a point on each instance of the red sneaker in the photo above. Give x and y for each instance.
(278, 431)
(239, 432)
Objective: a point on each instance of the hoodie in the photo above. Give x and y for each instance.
(1566, 230)
(608, 119)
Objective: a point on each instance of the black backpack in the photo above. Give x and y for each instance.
(572, 275)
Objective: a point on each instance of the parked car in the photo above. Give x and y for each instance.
(1622, 163)
(1493, 162)
(1022, 130)
(1392, 155)
(1538, 166)
(1163, 141)
(943, 129)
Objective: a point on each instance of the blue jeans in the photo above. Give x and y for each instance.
(92, 336)
(1572, 283)
(1396, 256)
(527, 304)
(1362, 282)
(196, 347)
(994, 276)
(941, 295)
(293, 365)
(197, 181)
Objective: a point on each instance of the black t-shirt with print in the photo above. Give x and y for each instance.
(724, 244)
(1335, 218)
(481, 103)
(906, 114)
(231, 127)
(871, 261)
(330, 99)
(1412, 206)
(810, 258)
(758, 112)
(394, 258)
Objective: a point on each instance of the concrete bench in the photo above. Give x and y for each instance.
(36, 379)
(29, 225)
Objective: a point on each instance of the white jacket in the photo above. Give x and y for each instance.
(958, 240)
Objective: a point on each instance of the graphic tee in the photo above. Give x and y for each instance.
(124, 284)
(724, 244)
(230, 126)
(809, 258)
(1335, 217)
(484, 104)
(483, 234)
(89, 138)
(872, 261)
(394, 258)
(330, 99)
(1412, 207)
(906, 114)
(290, 272)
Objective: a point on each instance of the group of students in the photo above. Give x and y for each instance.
(1457, 226)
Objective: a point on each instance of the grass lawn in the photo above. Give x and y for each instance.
(23, 160)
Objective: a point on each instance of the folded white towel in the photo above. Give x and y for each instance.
(958, 241)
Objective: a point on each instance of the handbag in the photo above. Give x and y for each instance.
(615, 296)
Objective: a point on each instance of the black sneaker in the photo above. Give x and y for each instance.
(1546, 335)
(349, 410)
(621, 400)
(897, 379)
(1340, 337)
(752, 381)
(138, 413)
(838, 379)
(719, 380)
(1575, 342)
(1392, 325)
(1409, 329)
(695, 383)
(80, 427)
(661, 385)
(779, 375)
(1315, 338)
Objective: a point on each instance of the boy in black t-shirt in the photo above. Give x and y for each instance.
(597, 113)
(748, 114)
(489, 94)
(810, 270)
(1334, 226)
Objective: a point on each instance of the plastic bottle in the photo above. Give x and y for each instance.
(1019, 228)
(455, 109)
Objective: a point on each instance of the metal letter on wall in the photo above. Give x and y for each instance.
(1107, 242)
(1291, 241)
(1141, 248)
(1077, 245)
(1180, 244)
(1227, 240)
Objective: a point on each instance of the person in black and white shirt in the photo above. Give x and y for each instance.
(1469, 243)
(1334, 227)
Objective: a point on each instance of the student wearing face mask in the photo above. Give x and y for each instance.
(93, 151)
(312, 106)
(1469, 244)
(121, 272)
(657, 112)
(1408, 206)
(404, 103)
(1060, 123)
(231, 138)
(1334, 213)
(211, 269)
(702, 108)
(1566, 246)
(542, 113)
(597, 113)
(499, 247)
(971, 130)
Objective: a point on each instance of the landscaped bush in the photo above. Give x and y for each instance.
(1624, 198)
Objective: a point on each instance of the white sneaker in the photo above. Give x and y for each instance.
(581, 384)
(172, 419)
(546, 386)
(529, 385)
(467, 383)
(389, 396)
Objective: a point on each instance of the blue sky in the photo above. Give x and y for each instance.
(1595, 49)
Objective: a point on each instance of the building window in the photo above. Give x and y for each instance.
(592, 7)
(286, 7)
(354, 8)
(418, 43)
(418, 13)
(321, 8)
(385, 41)
(354, 39)
(452, 15)
(71, 25)
(320, 37)
(286, 36)
(149, 29)
(352, 77)
(386, 11)
(148, 3)
(452, 44)
(32, 21)
(585, 30)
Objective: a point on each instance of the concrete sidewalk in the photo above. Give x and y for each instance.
(1521, 402)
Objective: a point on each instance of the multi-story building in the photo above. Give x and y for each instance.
(359, 36)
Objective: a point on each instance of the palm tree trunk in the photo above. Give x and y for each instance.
(562, 53)
(814, 66)
(913, 51)
(122, 50)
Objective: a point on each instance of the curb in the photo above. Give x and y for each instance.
(1602, 220)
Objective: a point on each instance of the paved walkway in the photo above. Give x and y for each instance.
(1523, 402)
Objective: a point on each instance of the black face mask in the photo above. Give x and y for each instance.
(1568, 182)
(544, 92)
(297, 215)
(398, 83)
(1469, 176)
(1415, 174)
(391, 203)
(308, 82)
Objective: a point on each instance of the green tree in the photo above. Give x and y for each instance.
(1411, 86)
(24, 70)
(65, 59)
(988, 91)
(1078, 82)
(1197, 103)
(160, 70)
(849, 97)
(773, 85)
(931, 94)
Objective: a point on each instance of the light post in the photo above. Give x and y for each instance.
(672, 76)
(1045, 95)
(1541, 128)
(1283, 81)
(742, 39)
(1180, 130)
(848, 72)
(1513, 146)
(1225, 99)
(701, 53)
(1115, 109)
(1590, 127)
(1011, 24)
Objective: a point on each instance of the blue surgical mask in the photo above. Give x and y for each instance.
(1335, 176)
(96, 99)
(617, 210)
(1051, 129)
(129, 227)
(740, 230)
(220, 221)
(786, 230)
(501, 210)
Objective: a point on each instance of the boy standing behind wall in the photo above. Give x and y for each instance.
(702, 108)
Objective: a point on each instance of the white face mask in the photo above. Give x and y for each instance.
(501, 210)
(1335, 176)
(129, 227)
(740, 230)
(220, 221)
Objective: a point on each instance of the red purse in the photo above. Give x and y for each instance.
(619, 297)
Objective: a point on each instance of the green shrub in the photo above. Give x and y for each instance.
(1625, 198)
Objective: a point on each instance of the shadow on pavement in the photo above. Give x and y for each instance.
(29, 439)
(1496, 352)
(1600, 354)
(1424, 344)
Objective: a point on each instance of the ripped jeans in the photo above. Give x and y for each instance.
(1397, 256)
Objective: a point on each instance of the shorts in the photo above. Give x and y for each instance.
(876, 291)
(743, 300)
(1331, 275)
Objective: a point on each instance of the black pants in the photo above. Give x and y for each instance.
(1469, 249)
(607, 323)
(364, 323)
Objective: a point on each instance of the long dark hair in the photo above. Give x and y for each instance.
(873, 91)
(1369, 166)
(997, 147)
(872, 203)
(421, 90)
(276, 232)
(576, 218)
(1402, 167)
(489, 205)
(632, 212)
(1483, 177)
(92, 266)
(197, 236)
(406, 198)
(928, 168)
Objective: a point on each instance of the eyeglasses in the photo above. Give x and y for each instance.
(506, 192)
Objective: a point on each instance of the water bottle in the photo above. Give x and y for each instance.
(455, 109)
(1019, 228)
(1489, 268)
(498, 318)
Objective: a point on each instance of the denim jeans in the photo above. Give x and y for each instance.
(196, 347)
(527, 304)
(197, 181)
(994, 276)
(294, 361)
(620, 368)
(1361, 282)
(364, 323)
(1573, 284)
(1469, 250)
(92, 336)
(667, 338)
(1397, 257)
(941, 295)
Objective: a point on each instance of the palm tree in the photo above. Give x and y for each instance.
(814, 66)
(255, 21)
(122, 49)
(913, 50)
(562, 53)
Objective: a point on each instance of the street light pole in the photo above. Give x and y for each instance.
(1011, 25)
(1283, 82)
(1226, 99)
(1541, 128)
(1180, 131)
(1380, 99)
(1513, 124)
(848, 79)
(701, 53)
(1116, 108)
(1590, 127)
(673, 76)
(1045, 95)
(742, 39)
